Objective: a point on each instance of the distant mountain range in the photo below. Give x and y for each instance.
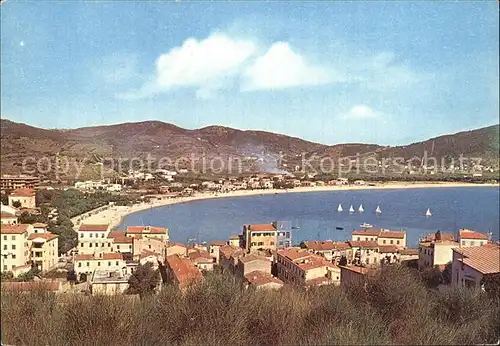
(159, 139)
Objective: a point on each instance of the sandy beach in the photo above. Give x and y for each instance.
(115, 214)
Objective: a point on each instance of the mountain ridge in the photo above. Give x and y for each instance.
(137, 139)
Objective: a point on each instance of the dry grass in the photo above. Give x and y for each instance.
(393, 308)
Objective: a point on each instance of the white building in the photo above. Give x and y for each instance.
(471, 264)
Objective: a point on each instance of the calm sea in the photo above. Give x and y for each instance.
(316, 215)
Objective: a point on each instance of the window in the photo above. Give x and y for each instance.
(88, 264)
(272, 243)
(102, 235)
(5, 247)
(359, 238)
(79, 264)
(367, 261)
(90, 235)
(118, 247)
(383, 241)
(97, 235)
(90, 244)
(102, 245)
(13, 246)
(81, 235)
(13, 256)
(397, 242)
(149, 246)
(13, 237)
(4, 237)
(4, 267)
(392, 241)
(81, 244)
(116, 262)
(98, 263)
(109, 263)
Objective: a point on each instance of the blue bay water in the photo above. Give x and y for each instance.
(316, 213)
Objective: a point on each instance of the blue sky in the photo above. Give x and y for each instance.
(331, 72)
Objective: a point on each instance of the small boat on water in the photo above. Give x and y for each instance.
(340, 209)
(295, 227)
(428, 212)
(361, 209)
(351, 209)
(339, 228)
(366, 225)
(378, 211)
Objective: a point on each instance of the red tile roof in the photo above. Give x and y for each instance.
(258, 278)
(363, 244)
(367, 232)
(105, 256)
(200, 256)
(388, 248)
(46, 236)
(469, 234)
(6, 215)
(183, 270)
(261, 227)
(485, 259)
(234, 237)
(391, 234)
(40, 225)
(218, 243)
(408, 251)
(23, 193)
(294, 254)
(14, 229)
(444, 236)
(359, 270)
(120, 237)
(146, 229)
(380, 233)
(93, 228)
(325, 245)
(227, 251)
(313, 262)
(251, 258)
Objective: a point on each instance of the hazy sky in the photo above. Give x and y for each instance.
(331, 72)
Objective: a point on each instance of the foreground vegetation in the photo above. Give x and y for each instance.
(392, 308)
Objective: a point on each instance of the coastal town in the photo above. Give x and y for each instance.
(260, 255)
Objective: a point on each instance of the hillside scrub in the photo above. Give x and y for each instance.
(391, 307)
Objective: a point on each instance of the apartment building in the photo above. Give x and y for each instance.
(251, 263)
(272, 236)
(108, 282)
(13, 182)
(330, 250)
(120, 243)
(471, 264)
(148, 232)
(88, 263)
(15, 251)
(364, 252)
(467, 237)
(24, 246)
(389, 254)
(94, 239)
(382, 237)
(300, 267)
(214, 249)
(141, 244)
(44, 250)
(7, 218)
(436, 250)
(226, 259)
(234, 240)
(26, 198)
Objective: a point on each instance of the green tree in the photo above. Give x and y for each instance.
(5, 199)
(29, 275)
(343, 261)
(7, 276)
(16, 204)
(144, 280)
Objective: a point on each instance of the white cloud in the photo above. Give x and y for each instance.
(282, 68)
(362, 112)
(208, 64)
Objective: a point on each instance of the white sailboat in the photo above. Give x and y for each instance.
(378, 211)
(339, 209)
(428, 212)
(361, 209)
(351, 209)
